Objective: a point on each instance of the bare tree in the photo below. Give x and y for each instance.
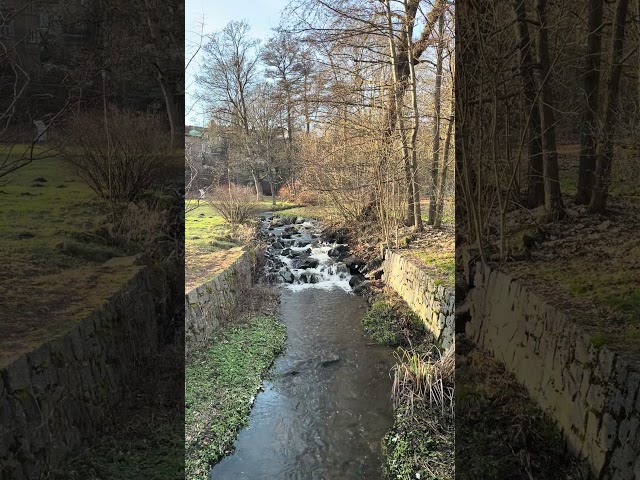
(229, 70)
(604, 152)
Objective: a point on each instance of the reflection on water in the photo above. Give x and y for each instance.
(327, 407)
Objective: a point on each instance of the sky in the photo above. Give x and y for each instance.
(262, 15)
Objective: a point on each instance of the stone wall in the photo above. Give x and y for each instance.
(434, 303)
(54, 399)
(590, 390)
(209, 304)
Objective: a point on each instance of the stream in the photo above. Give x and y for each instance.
(326, 405)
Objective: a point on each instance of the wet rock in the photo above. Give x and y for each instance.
(361, 287)
(341, 268)
(339, 251)
(305, 263)
(302, 243)
(277, 245)
(286, 252)
(374, 264)
(328, 359)
(286, 236)
(356, 280)
(287, 276)
(277, 222)
(313, 278)
(299, 220)
(354, 264)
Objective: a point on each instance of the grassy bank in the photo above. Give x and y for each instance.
(149, 444)
(421, 442)
(221, 383)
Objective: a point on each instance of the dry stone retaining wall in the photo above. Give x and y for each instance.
(54, 399)
(209, 304)
(590, 390)
(435, 304)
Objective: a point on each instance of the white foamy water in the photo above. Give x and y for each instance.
(329, 274)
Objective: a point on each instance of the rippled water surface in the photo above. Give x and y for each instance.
(327, 406)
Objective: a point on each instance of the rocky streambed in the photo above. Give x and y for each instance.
(299, 256)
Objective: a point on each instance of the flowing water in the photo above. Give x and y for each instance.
(324, 411)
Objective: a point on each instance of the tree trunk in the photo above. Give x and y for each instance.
(604, 159)
(552, 194)
(445, 164)
(435, 147)
(258, 185)
(398, 88)
(273, 191)
(586, 173)
(535, 184)
(174, 112)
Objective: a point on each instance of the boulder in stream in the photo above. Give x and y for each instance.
(339, 251)
(354, 264)
(356, 280)
(287, 276)
(305, 263)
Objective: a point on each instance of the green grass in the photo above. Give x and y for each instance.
(412, 449)
(441, 265)
(385, 323)
(51, 228)
(221, 381)
(153, 450)
(613, 292)
(206, 231)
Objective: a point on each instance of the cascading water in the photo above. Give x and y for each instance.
(326, 407)
(300, 258)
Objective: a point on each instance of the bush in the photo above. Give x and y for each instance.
(234, 203)
(122, 165)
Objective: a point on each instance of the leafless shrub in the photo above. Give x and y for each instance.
(121, 160)
(236, 204)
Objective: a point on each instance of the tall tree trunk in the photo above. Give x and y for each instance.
(174, 110)
(435, 147)
(415, 188)
(398, 88)
(604, 159)
(552, 194)
(586, 172)
(535, 184)
(442, 182)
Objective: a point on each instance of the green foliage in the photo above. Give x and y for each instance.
(220, 383)
(418, 447)
(388, 324)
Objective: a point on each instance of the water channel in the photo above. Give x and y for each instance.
(326, 406)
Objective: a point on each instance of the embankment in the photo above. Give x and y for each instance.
(590, 390)
(54, 399)
(433, 303)
(208, 305)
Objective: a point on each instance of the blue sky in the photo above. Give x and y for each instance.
(262, 15)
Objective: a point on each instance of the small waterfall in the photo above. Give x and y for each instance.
(299, 258)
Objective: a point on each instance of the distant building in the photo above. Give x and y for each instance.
(21, 33)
